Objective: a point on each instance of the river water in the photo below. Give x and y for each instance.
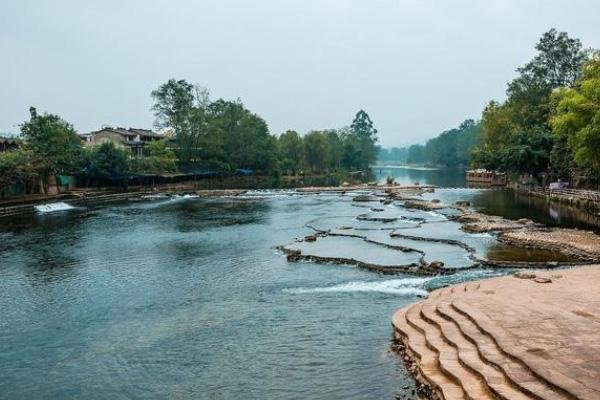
(189, 298)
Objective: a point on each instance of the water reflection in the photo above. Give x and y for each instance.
(512, 205)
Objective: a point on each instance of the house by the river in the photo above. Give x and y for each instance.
(132, 139)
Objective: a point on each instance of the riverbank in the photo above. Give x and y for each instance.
(25, 205)
(524, 336)
(525, 233)
(588, 200)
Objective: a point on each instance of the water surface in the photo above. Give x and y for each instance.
(188, 298)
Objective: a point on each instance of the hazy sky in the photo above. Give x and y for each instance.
(417, 67)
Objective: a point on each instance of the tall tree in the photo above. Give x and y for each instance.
(366, 139)
(244, 136)
(107, 165)
(576, 119)
(181, 106)
(558, 63)
(54, 145)
(290, 148)
(316, 151)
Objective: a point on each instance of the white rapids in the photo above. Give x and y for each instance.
(52, 207)
(402, 287)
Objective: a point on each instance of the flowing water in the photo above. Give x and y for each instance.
(503, 202)
(189, 298)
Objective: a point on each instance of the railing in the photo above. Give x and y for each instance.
(582, 194)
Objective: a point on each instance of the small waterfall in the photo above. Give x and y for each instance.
(52, 207)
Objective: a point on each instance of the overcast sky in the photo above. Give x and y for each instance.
(417, 67)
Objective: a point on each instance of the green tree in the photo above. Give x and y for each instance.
(453, 147)
(243, 136)
(316, 151)
(558, 63)
(335, 145)
(576, 118)
(16, 167)
(107, 165)
(291, 153)
(416, 154)
(497, 125)
(182, 107)
(527, 152)
(159, 159)
(365, 140)
(53, 144)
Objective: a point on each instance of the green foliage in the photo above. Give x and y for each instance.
(241, 139)
(394, 155)
(497, 125)
(527, 152)
(516, 133)
(557, 64)
(221, 135)
(159, 159)
(453, 147)
(576, 118)
(363, 138)
(16, 167)
(224, 135)
(416, 154)
(53, 144)
(450, 148)
(291, 152)
(316, 151)
(106, 164)
(181, 106)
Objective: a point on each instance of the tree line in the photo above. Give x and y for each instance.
(200, 136)
(452, 148)
(224, 135)
(549, 122)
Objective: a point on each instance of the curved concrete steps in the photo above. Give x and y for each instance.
(488, 339)
(468, 355)
(428, 369)
(516, 373)
(558, 377)
(447, 356)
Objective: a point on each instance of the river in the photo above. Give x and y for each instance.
(189, 298)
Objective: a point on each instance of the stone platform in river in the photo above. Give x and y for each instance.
(531, 336)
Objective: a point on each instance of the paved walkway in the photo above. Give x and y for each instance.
(536, 336)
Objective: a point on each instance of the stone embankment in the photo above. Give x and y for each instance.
(96, 197)
(582, 244)
(585, 199)
(525, 336)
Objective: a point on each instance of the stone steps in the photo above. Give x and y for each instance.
(428, 369)
(461, 354)
(448, 361)
(516, 373)
(469, 356)
(558, 377)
